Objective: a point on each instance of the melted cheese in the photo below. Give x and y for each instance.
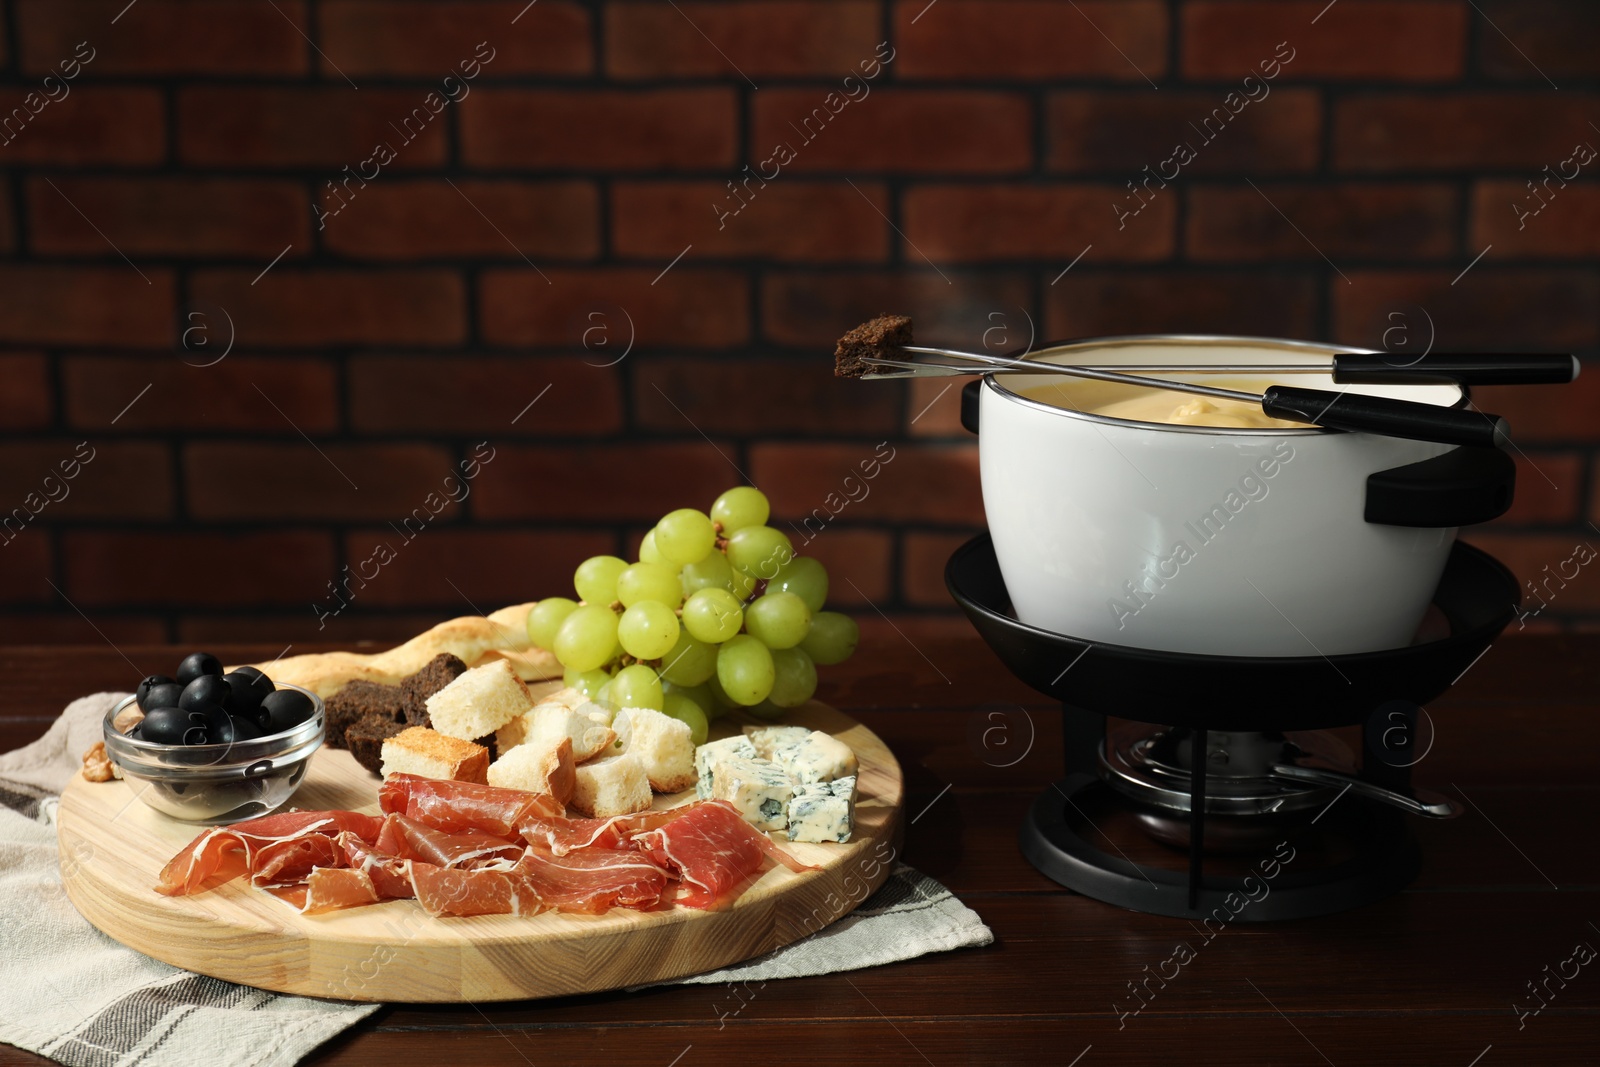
(1158, 405)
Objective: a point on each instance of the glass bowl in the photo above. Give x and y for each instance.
(216, 783)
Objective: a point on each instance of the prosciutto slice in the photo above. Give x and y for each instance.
(452, 891)
(712, 850)
(560, 836)
(455, 807)
(333, 888)
(408, 839)
(224, 853)
(389, 875)
(591, 880)
(292, 861)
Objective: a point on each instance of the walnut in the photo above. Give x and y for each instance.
(97, 766)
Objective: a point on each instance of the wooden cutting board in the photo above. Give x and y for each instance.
(113, 846)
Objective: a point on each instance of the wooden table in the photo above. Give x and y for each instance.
(1429, 976)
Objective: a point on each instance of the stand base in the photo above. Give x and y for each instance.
(1384, 860)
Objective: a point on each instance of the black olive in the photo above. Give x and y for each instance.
(244, 699)
(246, 729)
(173, 726)
(136, 731)
(196, 664)
(141, 695)
(204, 692)
(286, 708)
(165, 695)
(262, 682)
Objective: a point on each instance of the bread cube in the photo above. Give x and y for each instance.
(419, 750)
(611, 785)
(479, 702)
(663, 744)
(537, 770)
(547, 723)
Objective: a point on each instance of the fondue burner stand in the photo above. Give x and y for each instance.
(1300, 828)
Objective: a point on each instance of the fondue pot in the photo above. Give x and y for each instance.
(1271, 541)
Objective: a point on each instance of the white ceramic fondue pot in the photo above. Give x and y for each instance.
(1270, 541)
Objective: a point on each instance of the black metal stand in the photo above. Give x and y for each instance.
(1386, 861)
(1383, 691)
(1197, 812)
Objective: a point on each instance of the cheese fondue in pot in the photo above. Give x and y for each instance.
(1138, 404)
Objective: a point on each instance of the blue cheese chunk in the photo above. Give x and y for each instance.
(815, 757)
(823, 811)
(768, 738)
(759, 789)
(707, 754)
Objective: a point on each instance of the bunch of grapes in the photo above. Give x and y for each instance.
(718, 612)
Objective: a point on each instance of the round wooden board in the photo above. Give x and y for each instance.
(113, 846)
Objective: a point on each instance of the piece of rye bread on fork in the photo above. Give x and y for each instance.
(881, 338)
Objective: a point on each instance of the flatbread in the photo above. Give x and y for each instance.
(474, 638)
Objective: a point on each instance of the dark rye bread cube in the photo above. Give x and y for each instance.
(883, 338)
(365, 737)
(359, 700)
(440, 671)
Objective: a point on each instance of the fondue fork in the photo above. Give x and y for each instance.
(1355, 412)
(1346, 368)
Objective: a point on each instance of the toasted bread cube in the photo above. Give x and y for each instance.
(706, 755)
(546, 723)
(612, 785)
(597, 712)
(567, 698)
(759, 789)
(663, 744)
(537, 770)
(768, 738)
(479, 702)
(419, 750)
(816, 757)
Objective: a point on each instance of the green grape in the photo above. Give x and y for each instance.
(713, 615)
(586, 682)
(587, 638)
(744, 667)
(649, 581)
(546, 618)
(740, 507)
(832, 638)
(778, 620)
(690, 661)
(687, 710)
(794, 678)
(648, 552)
(721, 702)
(759, 551)
(685, 536)
(700, 694)
(647, 630)
(596, 579)
(806, 578)
(765, 710)
(636, 687)
(713, 572)
(603, 695)
(743, 585)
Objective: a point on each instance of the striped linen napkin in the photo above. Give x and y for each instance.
(75, 995)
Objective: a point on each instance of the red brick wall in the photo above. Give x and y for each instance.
(176, 189)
